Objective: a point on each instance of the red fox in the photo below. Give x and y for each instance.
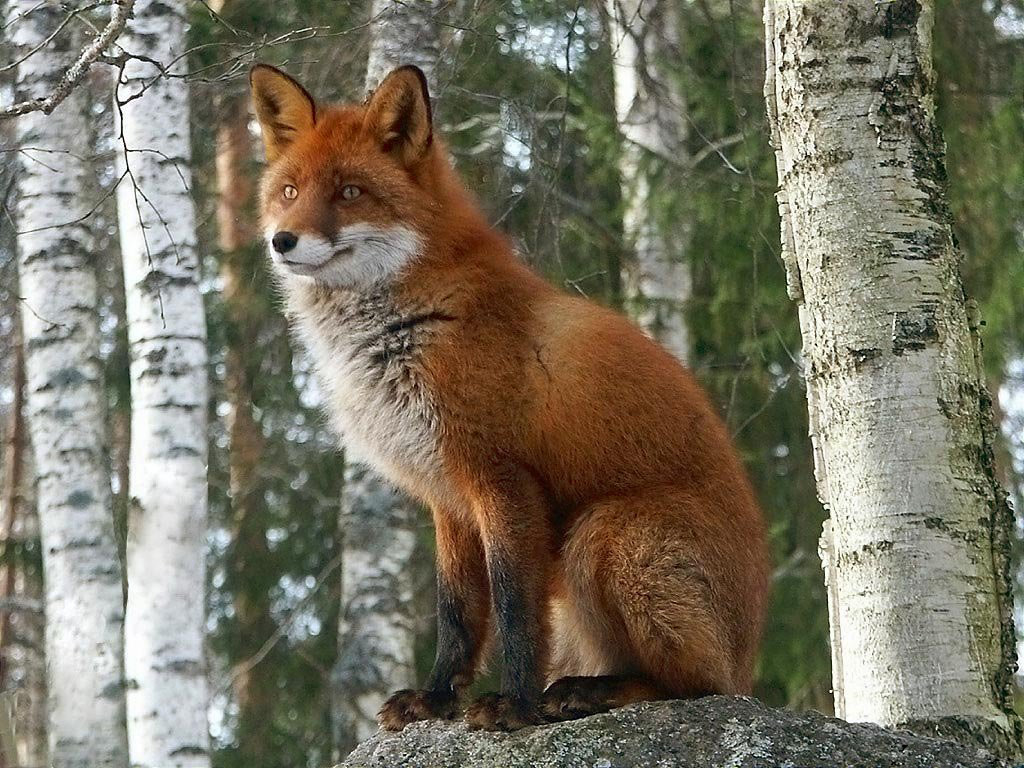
(585, 495)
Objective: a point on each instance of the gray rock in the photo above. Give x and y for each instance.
(715, 732)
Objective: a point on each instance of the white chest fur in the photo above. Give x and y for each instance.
(367, 353)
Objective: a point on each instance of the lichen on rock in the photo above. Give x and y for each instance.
(714, 732)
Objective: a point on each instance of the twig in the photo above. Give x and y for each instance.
(245, 666)
(77, 71)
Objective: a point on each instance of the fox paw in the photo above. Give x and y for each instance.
(568, 699)
(497, 712)
(408, 706)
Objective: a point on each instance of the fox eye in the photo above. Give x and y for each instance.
(290, 192)
(350, 192)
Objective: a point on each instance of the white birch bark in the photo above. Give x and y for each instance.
(164, 659)
(65, 412)
(403, 33)
(900, 418)
(651, 114)
(377, 628)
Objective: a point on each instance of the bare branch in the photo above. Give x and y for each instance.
(122, 10)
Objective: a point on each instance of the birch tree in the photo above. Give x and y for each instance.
(65, 409)
(377, 622)
(917, 557)
(167, 489)
(651, 114)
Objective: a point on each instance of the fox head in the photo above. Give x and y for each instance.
(349, 196)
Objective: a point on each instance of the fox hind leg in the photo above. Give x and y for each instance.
(636, 607)
(569, 698)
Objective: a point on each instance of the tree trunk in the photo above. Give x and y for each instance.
(13, 472)
(652, 119)
(22, 661)
(14, 462)
(65, 413)
(165, 616)
(404, 33)
(251, 578)
(900, 418)
(377, 625)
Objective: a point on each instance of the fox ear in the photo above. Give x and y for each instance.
(398, 114)
(283, 107)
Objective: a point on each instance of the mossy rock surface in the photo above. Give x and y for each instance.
(716, 732)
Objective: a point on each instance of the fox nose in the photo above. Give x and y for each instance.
(284, 241)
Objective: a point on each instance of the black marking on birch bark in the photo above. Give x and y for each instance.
(63, 378)
(80, 499)
(855, 557)
(181, 451)
(900, 18)
(863, 355)
(162, 372)
(74, 453)
(914, 330)
(923, 244)
(182, 667)
(821, 161)
(62, 248)
(113, 691)
(79, 543)
(933, 523)
(41, 342)
(188, 749)
(109, 572)
(156, 280)
(172, 405)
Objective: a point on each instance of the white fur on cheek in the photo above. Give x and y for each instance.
(369, 255)
(361, 255)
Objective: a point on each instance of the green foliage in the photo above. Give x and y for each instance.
(981, 109)
(746, 337)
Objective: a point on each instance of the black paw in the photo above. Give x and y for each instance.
(498, 712)
(408, 706)
(574, 697)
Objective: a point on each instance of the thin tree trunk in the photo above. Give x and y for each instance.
(900, 418)
(14, 462)
(255, 691)
(165, 617)
(22, 663)
(14, 444)
(377, 624)
(65, 413)
(651, 115)
(13, 451)
(28, 633)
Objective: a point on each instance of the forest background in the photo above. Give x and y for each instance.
(524, 95)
